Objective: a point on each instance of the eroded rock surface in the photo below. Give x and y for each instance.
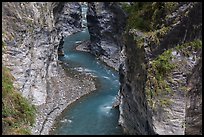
(31, 32)
(106, 22)
(185, 26)
(194, 102)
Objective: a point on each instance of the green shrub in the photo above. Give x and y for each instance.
(162, 63)
(156, 85)
(170, 7)
(17, 112)
(148, 16)
(138, 15)
(194, 45)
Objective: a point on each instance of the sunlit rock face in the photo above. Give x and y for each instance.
(30, 46)
(31, 32)
(106, 22)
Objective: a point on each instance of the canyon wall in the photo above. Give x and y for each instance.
(106, 22)
(194, 101)
(135, 117)
(31, 32)
(154, 69)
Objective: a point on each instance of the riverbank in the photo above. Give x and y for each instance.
(68, 87)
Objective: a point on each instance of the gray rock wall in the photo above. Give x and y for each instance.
(193, 115)
(31, 32)
(170, 120)
(31, 43)
(106, 22)
(136, 117)
(67, 18)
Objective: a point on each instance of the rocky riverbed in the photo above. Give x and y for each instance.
(68, 86)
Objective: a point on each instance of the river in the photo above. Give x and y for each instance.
(92, 114)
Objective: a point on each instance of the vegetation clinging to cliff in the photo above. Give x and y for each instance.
(187, 48)
(17, 113)
(156, 85)
(148, 16)
(150, 20)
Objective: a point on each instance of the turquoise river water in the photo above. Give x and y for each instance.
(93, 113)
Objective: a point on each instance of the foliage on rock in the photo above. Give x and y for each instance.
(187, 48)
(144, 15)
(17, 112)
(156, 84)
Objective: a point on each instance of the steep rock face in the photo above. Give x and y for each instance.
(106, 23)
(67, 16)
(194, 102)
(30, 46)
(170, 119)
(185, 26)
(31, 32)
(134, 113)
(67, 20)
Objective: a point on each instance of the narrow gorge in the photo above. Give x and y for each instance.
(102, 68)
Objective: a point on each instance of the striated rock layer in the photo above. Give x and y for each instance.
(194, 101)
(31, 32)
